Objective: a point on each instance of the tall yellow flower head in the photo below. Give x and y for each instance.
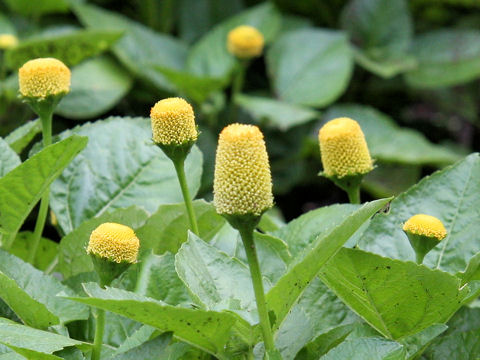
(243, 183)
(173, 122)
(245, 42)
(43, 77)
(343, 149)
(8, 41)
(114, 242)
(425, 225)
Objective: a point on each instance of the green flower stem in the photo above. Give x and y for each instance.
(249, 244)
(180, 169)
(354, 194)
(46, 119)
(99, 330)
(237, 86)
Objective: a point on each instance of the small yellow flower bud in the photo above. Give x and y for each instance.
(173, 122)
(8, 41)
(245, 42)
(243, 183)
(425, 225)
(114, 242)
(43, 77)
(343, 149)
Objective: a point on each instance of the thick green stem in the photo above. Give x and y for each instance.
(99, 330)
(419, 258)
(179, 167)
(237, 87)
(249, 244)
(354, 194)
(46, 119)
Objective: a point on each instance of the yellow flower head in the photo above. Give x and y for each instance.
(343, 148)
(114, 242)
(43, 77)
(243, 183)
(173, 122)
(8, 41)
(425, 225)
(245, 42)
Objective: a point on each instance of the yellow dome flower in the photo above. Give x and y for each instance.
(114, 242)
(8, 41)
(425, 225)
(343, 149)
(173, 122)
(243, 183)
(245, 42)
(43, 77)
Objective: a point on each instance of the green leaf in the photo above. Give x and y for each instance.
(32, 295)
(408, 146)
(209, 56)
(452, 195)
(389, 179)
(150, 350)
(97, 86)
(445, 58)
(275, 113)
(37, 8)
(397, 298)
(141, 50)
(71, 48)
(120, 167)
(327, 61)
(22, 187)
(33, 343)
(6, 26)
(366, 349)
(19, 138)
(208, 330)
(416, 344)
(8, 158)
(385, 67)
(167, 229)
(456, 346)
(46, 252)
(73, 258)
(472, 271)
(286, 292)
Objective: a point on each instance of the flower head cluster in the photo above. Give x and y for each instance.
(43, 77)
(115, 242)
(343, 149)
(425, 225)
(243, 182)
(245, 42)
(8, 41)
(173, 122)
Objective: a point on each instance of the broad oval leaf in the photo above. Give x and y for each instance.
(367, 349)
(8, 158)
(19, 138)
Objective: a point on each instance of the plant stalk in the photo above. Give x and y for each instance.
(354, 194)
(180, 169)
(99, 330)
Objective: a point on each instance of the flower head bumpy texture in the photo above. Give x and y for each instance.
(245, 42)
(114, 242)
(425, 225)
(343, 148)
(8, 41)
(243, 182)
(43, 77)
(173, 122)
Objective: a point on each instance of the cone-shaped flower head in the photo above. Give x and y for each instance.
(43, 77)
(8, 41)
(243, 183)
(173, 122)
(245, 42)
(343, 149)
(425, 225)
(115, 242)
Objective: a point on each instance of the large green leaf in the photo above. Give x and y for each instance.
(141, 50)
(23, 135)
(397, 298)
(8, 158)
(97, 85)
(416, 344)
(22, 187)
(327, 61)
(73, 258)
(120, 167)
(71, 48)
(285, 293)
(445, 58)
(46, 252)
(390, 143)
(37, 8)
(367, 349)
(452, 195)
(150, 350)
(32, 295)
(208, 330)
(209, 56)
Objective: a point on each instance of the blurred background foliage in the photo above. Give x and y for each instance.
(407, 71)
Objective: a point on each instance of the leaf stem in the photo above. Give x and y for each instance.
(249, 244)
(99, 330)
(354, 194)
(180, 169)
